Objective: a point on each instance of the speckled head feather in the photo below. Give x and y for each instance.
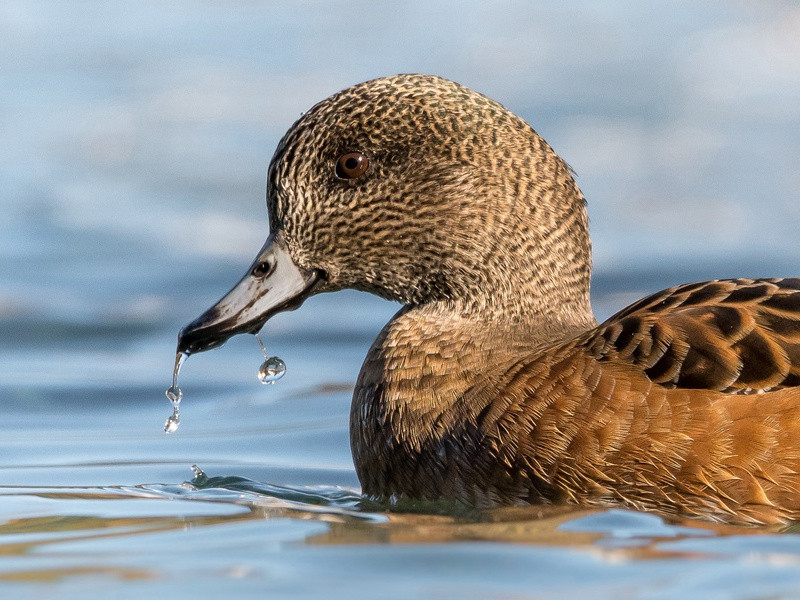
(494, 384)
(462, 200)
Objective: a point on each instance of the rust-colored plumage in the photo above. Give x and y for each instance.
(684, 403)
(494, 384)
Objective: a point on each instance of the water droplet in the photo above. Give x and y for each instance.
(174, 394)
(271, 370)
(173, 421)
(200, 479)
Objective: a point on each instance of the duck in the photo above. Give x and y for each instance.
(494, 385)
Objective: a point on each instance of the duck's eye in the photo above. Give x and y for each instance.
(351, 165)
(263, 269)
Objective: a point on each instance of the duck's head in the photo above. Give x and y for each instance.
(419, 190)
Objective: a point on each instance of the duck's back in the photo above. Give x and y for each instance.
(686, 402)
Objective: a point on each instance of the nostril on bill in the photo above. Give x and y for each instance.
(263, 269)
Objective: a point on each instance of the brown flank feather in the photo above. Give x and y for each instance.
(685, 403)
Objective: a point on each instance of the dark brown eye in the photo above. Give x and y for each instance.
(351, 165)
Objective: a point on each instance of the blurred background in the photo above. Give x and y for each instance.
(134, 142)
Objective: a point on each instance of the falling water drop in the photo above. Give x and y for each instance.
(272, 369)
(173, 421)
(175, 395)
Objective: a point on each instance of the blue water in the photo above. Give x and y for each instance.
(134, 139)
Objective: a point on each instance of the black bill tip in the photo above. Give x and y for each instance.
(205, 333)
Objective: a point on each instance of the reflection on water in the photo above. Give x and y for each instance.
(134, 518)
(274, 507)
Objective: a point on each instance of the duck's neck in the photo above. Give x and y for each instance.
(525, 262)
(411, 390)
